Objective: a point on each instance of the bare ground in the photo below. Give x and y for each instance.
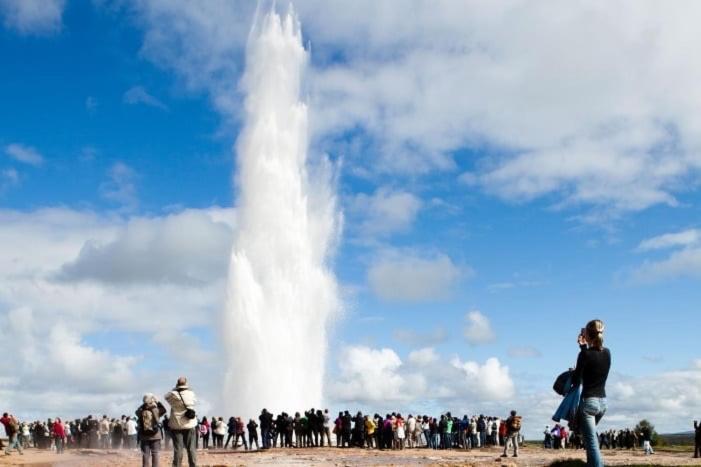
(529, 456)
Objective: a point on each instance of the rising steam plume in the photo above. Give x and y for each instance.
(282, 292)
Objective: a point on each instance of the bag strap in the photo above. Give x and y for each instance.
(181, 398)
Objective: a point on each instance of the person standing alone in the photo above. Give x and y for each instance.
(182, 422)
(513, 429)
(592, 370)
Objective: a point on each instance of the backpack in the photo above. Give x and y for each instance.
(515, 424)
(149, 423)
(563, 383)
(14, 425)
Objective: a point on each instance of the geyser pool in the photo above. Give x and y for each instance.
(281, 291)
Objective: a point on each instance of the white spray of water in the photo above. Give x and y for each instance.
(281, 290)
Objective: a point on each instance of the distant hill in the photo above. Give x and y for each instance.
(686, 437)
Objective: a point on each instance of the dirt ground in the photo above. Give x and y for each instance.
(345, 457)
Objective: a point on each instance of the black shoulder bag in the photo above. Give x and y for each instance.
(189, 412)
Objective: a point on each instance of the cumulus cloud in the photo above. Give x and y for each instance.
(683, 261)
(406, 276)
(139, 95)
(24, 154)
(188, 248)
(677, 394)
(32, 16)
(120, 186)
(423, 357)
(379, 376)
(361, 368)
(479, 329)
(601, 131)
(51, 357)
(385, 212)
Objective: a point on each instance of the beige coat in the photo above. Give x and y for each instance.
(178, 420)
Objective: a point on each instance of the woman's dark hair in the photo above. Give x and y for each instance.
(595, 333)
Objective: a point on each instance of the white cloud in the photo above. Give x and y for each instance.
(406, 276)
(385, 212)
(188, 248)
(379, 378)
(120, 186)
(33, 16)
(601, 131)
(677, 394)
(202, 41)
(361, 368)
(479, 329)
(151, 318)
(139, 95)
(493, 380)
(423, 356)
(671, 240)
(623, 390)
(8, 178)
(683, 261)
(525, 351)
(24, 154)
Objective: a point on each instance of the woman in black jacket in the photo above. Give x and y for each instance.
(592, 370)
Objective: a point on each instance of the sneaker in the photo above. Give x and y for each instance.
(515, 455)
(504, 455)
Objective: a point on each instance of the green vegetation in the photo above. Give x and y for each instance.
(645, 426)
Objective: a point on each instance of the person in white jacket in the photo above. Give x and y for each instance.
(183, 422)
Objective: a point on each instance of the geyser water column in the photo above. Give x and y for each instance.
(282, 292)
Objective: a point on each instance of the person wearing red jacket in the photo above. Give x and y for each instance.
(12, 429)
(59, 433)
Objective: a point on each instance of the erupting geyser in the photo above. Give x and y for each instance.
(281, 290)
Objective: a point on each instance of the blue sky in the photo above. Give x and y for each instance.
(524, 187)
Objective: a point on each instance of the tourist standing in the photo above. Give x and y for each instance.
(182, 422)
(104, 432)
(241, 434)
(12, 429)
(148, 414)
(204, 432)
(59, 434)
(252, 433)
(326, 428)
(697, 439)
(592, 370)
(513, 429)
(131, 428)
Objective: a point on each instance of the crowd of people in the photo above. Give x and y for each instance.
(152, 424)
(559, 437)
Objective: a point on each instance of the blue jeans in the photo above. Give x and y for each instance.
(13, 443)
(592, 408)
